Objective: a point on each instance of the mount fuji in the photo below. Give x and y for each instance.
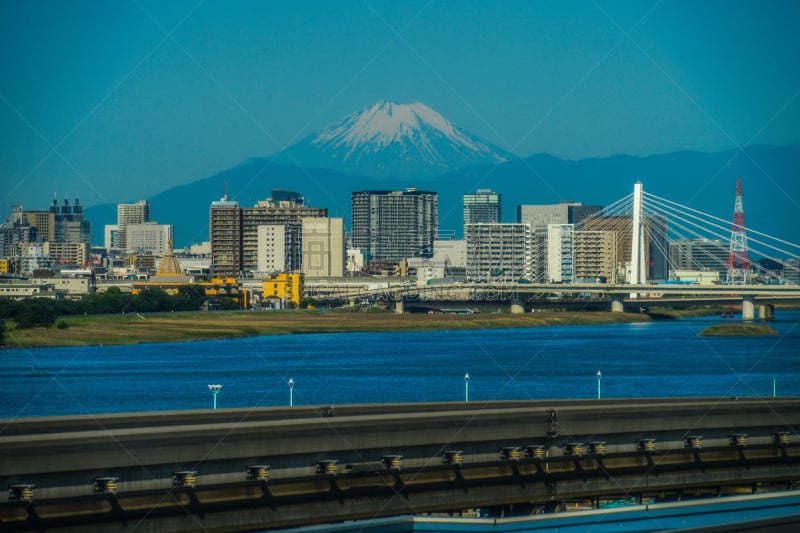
(387, 139)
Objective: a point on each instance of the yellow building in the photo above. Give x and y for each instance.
(283, 290)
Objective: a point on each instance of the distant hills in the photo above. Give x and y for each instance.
(702, 181)
(394, 146)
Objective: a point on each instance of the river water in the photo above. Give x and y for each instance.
(658, 359)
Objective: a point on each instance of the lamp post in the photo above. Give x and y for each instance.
(599, 376)
(291, 392)
(466, 387)
(214, 391)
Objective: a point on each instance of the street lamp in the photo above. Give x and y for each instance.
(466, 387)
(291, 392)
(599, 375)
(215, 390)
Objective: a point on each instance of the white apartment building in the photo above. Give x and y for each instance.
(559, 253)
(277, 248)
(499, 252)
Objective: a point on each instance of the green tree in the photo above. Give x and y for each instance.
(37, 312)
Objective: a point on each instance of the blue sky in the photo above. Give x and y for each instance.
(119, 100)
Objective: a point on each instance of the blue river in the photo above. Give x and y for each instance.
(657, 359)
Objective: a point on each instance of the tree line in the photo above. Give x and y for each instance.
(43, 312)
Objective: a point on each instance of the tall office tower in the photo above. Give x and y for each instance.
(499, 252)
(656, 245)
(699, 254)
(137, 213)
(594, 256)
(64, 223)
(225, 236)
(483, 206)
(559, 253)
(234, 230)
(539, 216)
(395, 225)
(323, 247)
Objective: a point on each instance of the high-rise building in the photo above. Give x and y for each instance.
(540, 216)
(594, 256)
(323, 247)
(70, 224)
(278, 248)
(283, 208)
(499, 252)
(234, 230)
(395, 225)
(656, 245)
(44, 222)
(559, 253)
(137, 213)
(225, 236)
(482, 206)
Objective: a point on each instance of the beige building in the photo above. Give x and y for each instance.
(67, 253)
(323, 247)
(594, 256)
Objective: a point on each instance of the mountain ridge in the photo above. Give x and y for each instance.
(701, 180)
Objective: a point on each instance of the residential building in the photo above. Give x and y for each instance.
(395, 225)
(234, 231)
(66, 253)
(656, 246)
(323, 247)
(594, 257)
(559, 253)
(540, 216)
(499, 252)
(225, 235)
(278, 248)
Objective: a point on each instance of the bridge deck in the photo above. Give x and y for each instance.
(61, 457)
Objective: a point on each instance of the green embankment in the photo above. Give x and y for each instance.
(133, 328)
(737, 330)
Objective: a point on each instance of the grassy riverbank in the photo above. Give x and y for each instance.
(175, 327)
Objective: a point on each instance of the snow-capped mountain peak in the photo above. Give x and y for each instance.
(387, 138)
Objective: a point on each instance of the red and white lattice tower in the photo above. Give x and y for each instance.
(738, 260)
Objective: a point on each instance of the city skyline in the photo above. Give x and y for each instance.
(120, 101)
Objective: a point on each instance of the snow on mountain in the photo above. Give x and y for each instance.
(388, 139)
